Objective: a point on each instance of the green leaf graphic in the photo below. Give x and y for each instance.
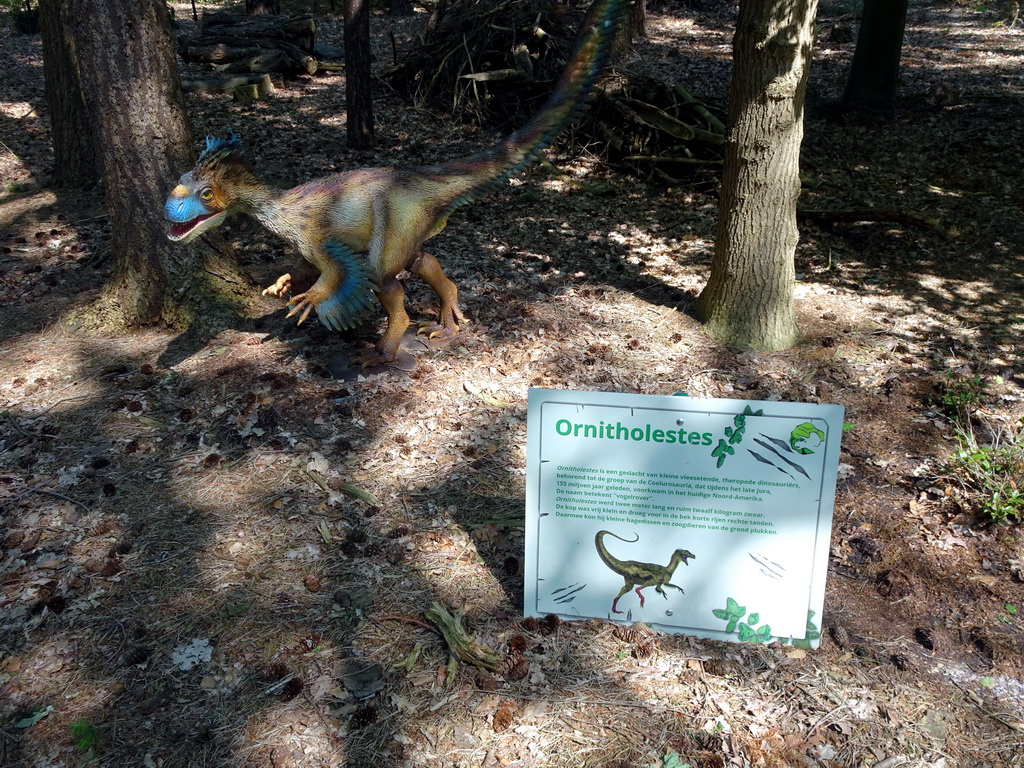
(734, 608)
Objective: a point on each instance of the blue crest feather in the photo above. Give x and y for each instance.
(218, 149)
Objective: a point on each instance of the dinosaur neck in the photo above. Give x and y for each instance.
(677, 558)
(612, 562)
(269, 208)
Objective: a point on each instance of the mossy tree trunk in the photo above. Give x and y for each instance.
(748, 302)
(124, 53)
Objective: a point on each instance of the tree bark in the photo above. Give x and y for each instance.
(136, 109)
(874, 72)
(358, 93)
(400, 8)
(748, 301)
(75, 163)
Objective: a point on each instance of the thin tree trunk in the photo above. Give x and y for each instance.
(75, 162)
(358, 92)
(748, 301)
(875, 69)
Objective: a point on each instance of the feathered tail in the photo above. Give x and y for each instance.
(489, 168)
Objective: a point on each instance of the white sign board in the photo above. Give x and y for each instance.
(708, 517)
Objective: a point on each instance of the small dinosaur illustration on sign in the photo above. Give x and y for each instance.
(640, 575)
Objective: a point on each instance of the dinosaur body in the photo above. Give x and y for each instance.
(640, 575)
(361, 228)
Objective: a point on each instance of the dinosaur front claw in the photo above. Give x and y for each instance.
(281, 287)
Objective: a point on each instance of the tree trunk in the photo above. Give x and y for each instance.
(75, 163)
(874, 72)
(141, 129)
(635, 24)
(400, 8)
(358, 94)
(748, 301)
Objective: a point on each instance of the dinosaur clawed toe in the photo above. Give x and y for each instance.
(301, 303)
(281, 287)
(441, 335)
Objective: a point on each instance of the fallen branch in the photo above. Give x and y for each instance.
(872, 214)
(462, 646)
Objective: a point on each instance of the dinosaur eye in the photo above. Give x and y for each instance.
(206, 195)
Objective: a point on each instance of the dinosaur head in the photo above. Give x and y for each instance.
(685, 556)
(210, 192)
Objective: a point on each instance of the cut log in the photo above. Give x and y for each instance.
(286, 58)
(239, 44)
(268, 61)
(297, 30)
(263, 84)
(220, 53)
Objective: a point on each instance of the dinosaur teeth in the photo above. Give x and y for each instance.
(180, 231)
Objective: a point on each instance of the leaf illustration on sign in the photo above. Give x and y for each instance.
(747, 633)
(724, 449)
(806, 438)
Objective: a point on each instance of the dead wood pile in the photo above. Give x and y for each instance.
(236, 44)
(495, 62)
(492, 60)
(656, 130)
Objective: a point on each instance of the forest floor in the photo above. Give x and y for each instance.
(216, 554)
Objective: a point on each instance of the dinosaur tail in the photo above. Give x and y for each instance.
(486, 170)
(603, 552)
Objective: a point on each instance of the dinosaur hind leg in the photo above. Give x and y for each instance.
(640, 595)
(392, 298)
(427, 268)
(625, 588)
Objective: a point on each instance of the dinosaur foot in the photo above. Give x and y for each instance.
(372, 362)
(435, 335)
(347, 367)
(375, 363)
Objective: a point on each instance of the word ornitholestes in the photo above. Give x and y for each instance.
(361, 228)
(640, 575)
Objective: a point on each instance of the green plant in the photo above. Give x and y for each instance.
(749, 632)
(671, 760)
(991, 475)
(24, 16)
(89, 737)
(959, 396)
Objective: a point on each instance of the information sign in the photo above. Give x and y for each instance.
(704, 516)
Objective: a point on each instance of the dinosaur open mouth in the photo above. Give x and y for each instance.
(180, 231)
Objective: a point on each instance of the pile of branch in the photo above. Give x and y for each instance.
(491, 60)
(656, 130)
(495, 61)
(244, 50)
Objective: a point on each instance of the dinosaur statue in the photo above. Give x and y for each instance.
(361, 228)
(638, 574)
